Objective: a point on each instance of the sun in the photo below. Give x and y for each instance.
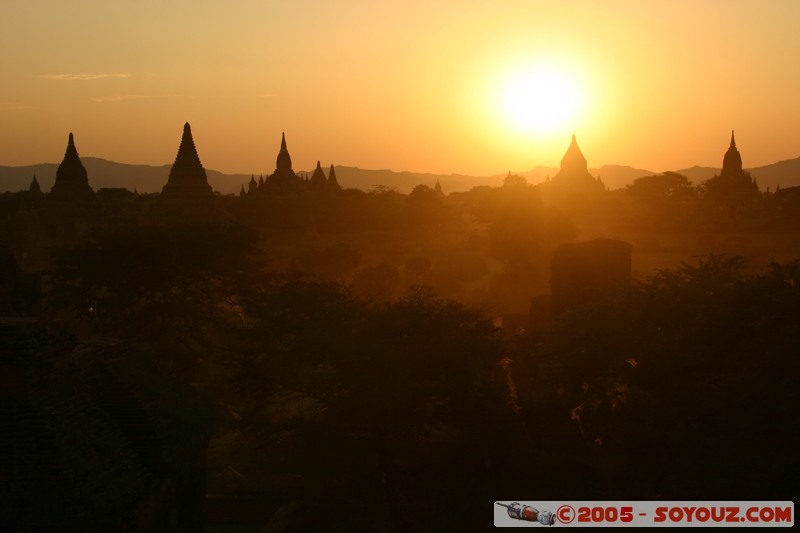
(540, 101)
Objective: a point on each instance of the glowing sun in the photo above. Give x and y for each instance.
(540, 101)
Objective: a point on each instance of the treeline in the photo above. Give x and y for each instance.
(390, 413)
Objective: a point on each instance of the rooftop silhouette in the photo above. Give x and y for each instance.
(71, 176)
(318, 179)
(187, 178)
(284, 177)
(333, 183)
(574, 173)
(35, 188)
(732, 162)
(734, 189)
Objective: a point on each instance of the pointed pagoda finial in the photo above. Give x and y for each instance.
(333, 183)
(71, 177)
(187, 153)
(187, 177)
(71, 151)
(573, 145)
(573, 160)
(283, 164)
(732, 160)
(318, 178)
(35, 188)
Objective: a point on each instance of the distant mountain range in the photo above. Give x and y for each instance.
(148, 178)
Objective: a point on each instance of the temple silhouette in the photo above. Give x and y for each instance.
(285, 180)
(284, 177)
(35, 188)
(574, 176)
(71, 178)
(734, 189)
(187, 178)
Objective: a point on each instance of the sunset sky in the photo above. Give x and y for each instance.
(447, 86)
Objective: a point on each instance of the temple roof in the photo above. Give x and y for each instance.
(71, 176)
(187, 176)
(284, 160)
(732, 162)
(318, 179)
(187, 153)
(35, 188)
(574, 174)
(333, 183)
(284, 178)
(573, 159)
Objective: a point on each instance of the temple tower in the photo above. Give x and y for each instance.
(284, 178)
(187, 178)
(71, 177)
(732, 161)
(333, 183)
(284, 161)
(35, 188)
(574, 174)
(318, 179)
(734, 190)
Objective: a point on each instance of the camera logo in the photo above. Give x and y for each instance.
(528, 513)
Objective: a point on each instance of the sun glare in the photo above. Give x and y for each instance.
(540, 101)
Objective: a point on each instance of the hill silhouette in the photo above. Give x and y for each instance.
(150, 179)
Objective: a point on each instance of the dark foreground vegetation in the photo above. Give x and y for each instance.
(370, 362)
(417, 412)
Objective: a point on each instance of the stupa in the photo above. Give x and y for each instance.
(574, 174)
(71, 176)
(187, 178)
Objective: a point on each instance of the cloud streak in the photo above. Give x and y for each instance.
(83, 77)
(7, 106)
(124, 97)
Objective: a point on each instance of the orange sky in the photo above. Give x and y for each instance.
(402, 85)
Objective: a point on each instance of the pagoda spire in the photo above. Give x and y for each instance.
(284, 161)
(574, 175)
(187, 152)
(35, 188)
(574, 159)
(333, 183)
(318, 179)
(71, 176)
(187, 178)
(732, 161)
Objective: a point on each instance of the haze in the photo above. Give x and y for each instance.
(413, 86)
(198, 332)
